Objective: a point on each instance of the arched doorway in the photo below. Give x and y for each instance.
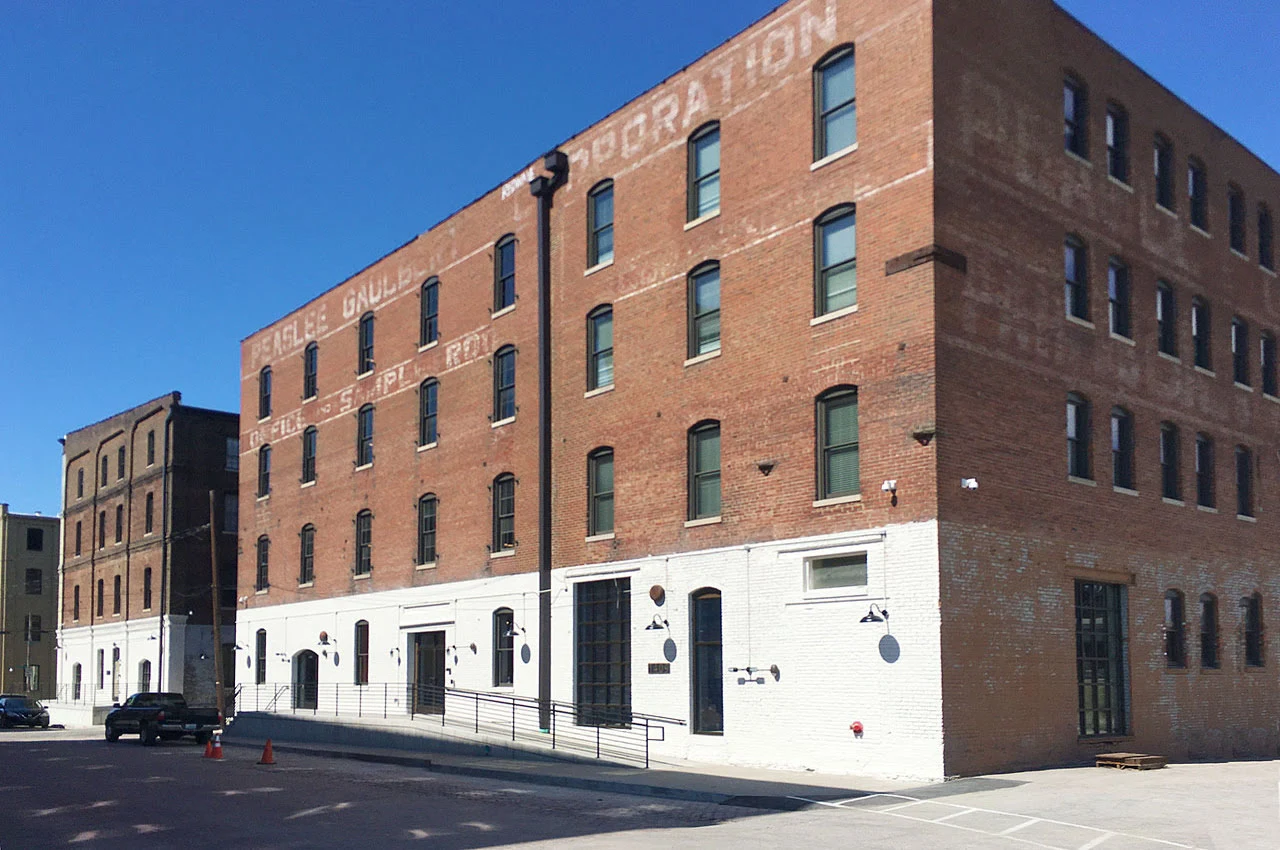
(306, 680)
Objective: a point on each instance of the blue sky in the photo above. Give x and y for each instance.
(207, 167)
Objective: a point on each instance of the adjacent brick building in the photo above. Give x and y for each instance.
(769, 434)
(136, 577)
(28, 601)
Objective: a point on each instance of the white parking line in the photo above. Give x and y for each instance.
(1028, 822)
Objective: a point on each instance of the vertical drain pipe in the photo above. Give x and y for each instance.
(544, 189)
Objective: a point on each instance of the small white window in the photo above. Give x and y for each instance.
(837, 572)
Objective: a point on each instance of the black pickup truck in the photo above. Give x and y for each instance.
(159, 716)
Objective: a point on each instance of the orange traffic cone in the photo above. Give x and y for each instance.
(217, 745)
(208, 748)
(268, 756)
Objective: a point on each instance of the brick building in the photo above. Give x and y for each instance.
(28, 601)
(768, 434)
(136, 575)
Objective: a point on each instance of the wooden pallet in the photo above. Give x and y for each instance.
(1133, 761)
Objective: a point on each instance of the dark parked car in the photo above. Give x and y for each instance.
(161, 717)
(19, 710)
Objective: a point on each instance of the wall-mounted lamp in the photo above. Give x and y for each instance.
(513, 631)
(875, 614)
(658, 624)
(969, 483)
(890, 486)
(766, 466)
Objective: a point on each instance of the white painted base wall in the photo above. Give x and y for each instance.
(833, 669)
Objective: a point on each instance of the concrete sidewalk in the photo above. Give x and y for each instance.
(777, 790)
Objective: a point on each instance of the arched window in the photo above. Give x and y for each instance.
(835, 117)
(837, 450)
(704, 309)
(428, 505)
(260, 658)
(600, 492)
(1175, 629)
(151, 448)
(428, 394)
(504, 513)
(77, 678)
(264, 392)
(364, 436)
(1118, 142)
(504, 384)
(1075, 268)
(115, 595)
(362, 652)
(119, 523)
(600, 224)
(1079, 437)
(311, 370)
(1122, 448)
(1119, 307)
(310, 437)
(504, 644)
(1209, 631)
(1253, 630)
(307, 554)
(75, 603)
(262, 580)
(144, 675)
(704, 470)
(102, 592)
(708, 662)
(264, 471)
(1075, 115)
(600, 347)
(364, 344)
(504, 273)
(1170, 461)
(106, 469)
(149, 514)
(364, 543)
(704, 171)
(430, 312)
(835, 260)
(80, 483)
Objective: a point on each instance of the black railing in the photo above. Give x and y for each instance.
(620, 735)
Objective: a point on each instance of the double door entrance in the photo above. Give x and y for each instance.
(426, 692)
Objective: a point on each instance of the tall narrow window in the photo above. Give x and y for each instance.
(260, 658)
(1164, 172)
(1122, 448)
(144, 675)
(1075, 117)
(1166, 319)
(1205, 496)
(230, 513)
(80, 483)
(102, 529)
(146, 589)
(231, 462)
(1118, 143)
(264, 392)
(310, 436)
(364, 436)
(600, 348)
(704, 172)
(504, 513)
(1075, 262)
(106, 470)
(119, 523)
(600, 224)
(602, 657)
(428, 506)
(116, 595)
(1170, 452)
(835, 116)
(1253, 630)
(1198, 193)
(149, 515)
(1236, 218)
(102, 666)
(1240, 351)
(429, 307)
(311, 371)
(1100, 659)
(364, 543)
(704, 470)
(1175, 629)
(79, 536)
(708, 662)
(428, 393)
(102, 593)
(151, 448)
(75, 603)
(364, 344)
(1078, 437)
(307, 554)
(504, 384)
(77, 681)
(1208, 631)
(1267, 363)
(1266, 239)
(1201, 334)
(837, 433)
(264, 471)
(600, 492)
(33, 628)
(1244, 481)
(35, 582)
(504, 273)
(504, 648)
(704, 309)
(835, 252)
(362, 652)
(263, 578)
(120, 463)
(1118, 307)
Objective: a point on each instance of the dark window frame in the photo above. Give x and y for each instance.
(1237, 220)
(264, 392)
(149, 514)
(1079, 446)
(428, 522)
(1202, 333)
(310, 446)
(1166, 191)
(596, 227)
(1245, 506)
(1122, 449)
(33, 581)
(146, 589)
(151, 448)
(1118, 142)
(823, 116)
(311, 371)
(504, 390)
(35, 539)
(1240, 353)
(599, 357)
(824, 271)
(1267, 364)
(504, 513)
(262, 577)
(360, 641)
(364, 435)
(102, 601)
(364, 543)
(75, 603)
(504, 273)
(1175, 629)
(428, 412)
(117, 595)
(1075, 259)
(706, 689)
(707, 134)
(504, 648)
(120, 463)
(827, 450)
(429, 312)
(264, 471)
(697, 510)
(1075, 115)
(1210, 642)
(79, 537)
(106, 470)
(1198, 193)
(80, 483)
(702, 317)
(1101, 659)
(260, 657)
(120, 523)
(1166, 318)
(1253, 631)
(602, 652)
(307, 554)
(1206, 495)
(1119, 299)
(1170, 462)
(32, 628)
(364, 344)
(599, 519)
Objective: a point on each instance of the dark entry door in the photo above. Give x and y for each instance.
(428, 673)
(306, 680)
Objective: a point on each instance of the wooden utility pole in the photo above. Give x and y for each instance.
(217, 612)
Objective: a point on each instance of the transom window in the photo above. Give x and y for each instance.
(600, 348)
(704, 470)
(504, 273)
(504, 384)
(364, 353)
(364, 543)
(835, 260)
(504, 513)
(704, 309)
(429, 331)
(600, 224)
(835, 106)
(704, 172)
